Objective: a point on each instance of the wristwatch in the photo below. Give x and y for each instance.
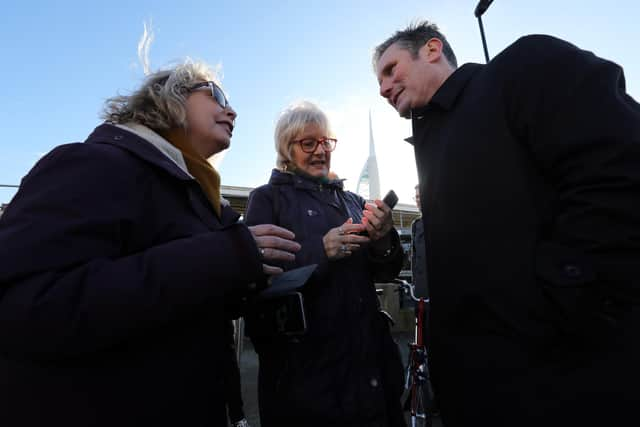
(242, 423)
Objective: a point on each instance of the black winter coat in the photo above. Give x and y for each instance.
(334, 375)
(115, 274)
(532, 165)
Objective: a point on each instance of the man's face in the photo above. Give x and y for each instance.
(407, 82)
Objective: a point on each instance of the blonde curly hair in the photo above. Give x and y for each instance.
(160, 102)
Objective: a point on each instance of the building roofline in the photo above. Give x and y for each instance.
(235, 191)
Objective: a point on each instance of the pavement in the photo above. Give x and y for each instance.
(249, 375)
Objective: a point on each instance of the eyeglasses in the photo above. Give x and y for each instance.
(216, 92)
(309, 145)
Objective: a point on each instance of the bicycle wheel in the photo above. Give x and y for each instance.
(422, 417)
(417, 406)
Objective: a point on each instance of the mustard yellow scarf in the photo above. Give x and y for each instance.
(200, 168)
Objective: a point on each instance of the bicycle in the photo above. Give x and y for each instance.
(417, 377)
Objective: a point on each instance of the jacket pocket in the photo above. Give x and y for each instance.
(569, 283)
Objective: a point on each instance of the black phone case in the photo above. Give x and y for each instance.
(390, 199)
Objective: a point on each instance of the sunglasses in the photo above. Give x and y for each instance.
(216, 92)
(309, 145)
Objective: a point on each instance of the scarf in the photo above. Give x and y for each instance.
(331, 179)
(199, 167)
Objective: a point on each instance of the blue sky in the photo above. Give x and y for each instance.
(62, 60)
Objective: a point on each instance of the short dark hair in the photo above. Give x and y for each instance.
(413, 38)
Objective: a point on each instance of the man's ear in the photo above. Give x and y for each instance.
(432, 50)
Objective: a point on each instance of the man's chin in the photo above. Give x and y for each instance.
(404, 111)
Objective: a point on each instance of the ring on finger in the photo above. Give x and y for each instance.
(262, 252)
(343, 248)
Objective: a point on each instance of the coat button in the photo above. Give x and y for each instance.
(373, 382)
(572, 271)
(117, 137)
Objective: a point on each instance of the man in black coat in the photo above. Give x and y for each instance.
(532, 165)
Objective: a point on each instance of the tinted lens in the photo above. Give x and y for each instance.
(218, 95)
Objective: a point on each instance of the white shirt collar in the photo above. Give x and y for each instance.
(157, 141)
(163, 145)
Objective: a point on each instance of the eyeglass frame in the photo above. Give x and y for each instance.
(322, 140)
(221, 99)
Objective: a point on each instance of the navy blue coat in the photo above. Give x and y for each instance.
(115, 274)
(334, 375)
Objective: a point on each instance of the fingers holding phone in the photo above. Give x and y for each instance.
(378, 216)
(341, 242)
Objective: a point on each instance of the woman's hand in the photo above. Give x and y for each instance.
(275, 244)
(341, 242)
(377, 219)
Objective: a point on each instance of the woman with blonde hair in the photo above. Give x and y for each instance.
(345, 371)
(120, 262)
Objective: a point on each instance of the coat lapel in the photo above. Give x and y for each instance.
(109, 134)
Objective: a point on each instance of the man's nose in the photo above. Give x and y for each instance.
(385, 88)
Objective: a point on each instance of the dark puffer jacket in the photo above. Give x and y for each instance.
(334, 375)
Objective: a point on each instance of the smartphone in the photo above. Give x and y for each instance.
(390, 199)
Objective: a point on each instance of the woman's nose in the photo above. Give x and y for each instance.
(231, 112)
(321, 147)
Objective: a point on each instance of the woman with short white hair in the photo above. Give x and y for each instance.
(345, 371)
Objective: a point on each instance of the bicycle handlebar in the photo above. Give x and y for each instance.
(408, 288)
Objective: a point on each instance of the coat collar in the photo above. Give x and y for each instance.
(157, 141)
(303, 182)
(446, 96)
(329, 192)
(134, 143)
(128, 140)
